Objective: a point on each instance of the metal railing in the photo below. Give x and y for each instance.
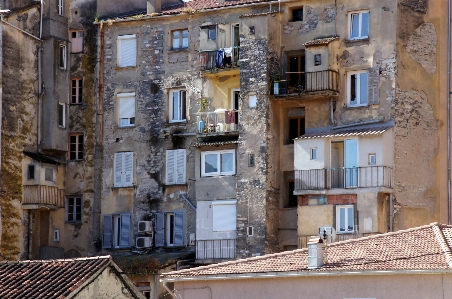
(304, 239)
(218, 59)
(39, 194)
(215, 249)
(217, 123)
(298, 82)
(344, 178)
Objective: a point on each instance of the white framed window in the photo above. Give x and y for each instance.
(179, 39)
(63, 54)
(48, 174)
(252, 101)
(123, 168)
(215, 163)
(116, 230)
(313, 153)
(357, 88)
(177, 105)
(211, 32)
(127, 50)
(62, 115)
(372, 159)
(76, 147)
(74, 209)
(176, 166)
(61, 7)
(76, 91)
(250, 231)
(126, 109)
(345, 219)
(56, 235)
(77, 41)
(235, 99)
(358, 25)
(224, 215)
(169, 228)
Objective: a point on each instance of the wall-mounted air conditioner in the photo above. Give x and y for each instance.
(145, 227)
(329, 232)
(143, 242)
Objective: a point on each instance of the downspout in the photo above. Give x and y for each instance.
(331, 112)
(155, 285)
(40, 25)
(29, 236)
(40, 93)
(335, 19)
(391, 213)
(448, 114)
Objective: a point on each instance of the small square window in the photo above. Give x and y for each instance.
(31, 172)
(357, 88)
(61, 7)
(62, 114)
(250, 231)
(314, 153)
(56, 235)
(297, 14)
(49, 174)
(76, 91)
(252, 101)
(212, 32)
(317, 59)
(358, 23)
(76, 147)
(74, 209)
(63, 56)
(180, 39)
(372, 159)
(77, 41)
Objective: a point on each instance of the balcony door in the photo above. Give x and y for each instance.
(296, 73)
(351, 163)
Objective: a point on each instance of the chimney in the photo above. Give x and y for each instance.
(154, 6)
(315, 252)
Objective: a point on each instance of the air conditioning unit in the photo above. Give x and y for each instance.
(329, 232)
(145, 227)
(144, 242)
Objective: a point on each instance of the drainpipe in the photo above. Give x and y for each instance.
(391, 213)
(40, 24)
(448, 114)
(335, 19)
(331, 112)
(40, 93)
(155, 285)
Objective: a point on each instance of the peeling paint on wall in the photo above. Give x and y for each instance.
(416, 5)
(422, 47)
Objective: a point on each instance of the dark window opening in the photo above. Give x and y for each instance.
(296, 73)
(296, 128)
(297, 15)
(293, 199)
(31, 172)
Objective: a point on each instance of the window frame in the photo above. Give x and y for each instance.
(313, 153)
(300, 132)
(358, 89)
(29, 176)
(181, 39)
(63, 56)
(294, 9)
(120, 61)
(114, 233)
(76, 91)
(177, 160)
(346, 220)
(62, 115)
(77, 41)
(211, 29)
(60, 7)
(372, 159)
(125, 172)
(350, 24)
(182, 105)
(163, 231)
(219, 172)
(77, 202)
(132, 119)
(79, 147)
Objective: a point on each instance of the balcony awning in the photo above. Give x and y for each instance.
(41, 158)
(320, 41)
(347, 132)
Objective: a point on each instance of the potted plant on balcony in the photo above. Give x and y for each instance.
(203, 102)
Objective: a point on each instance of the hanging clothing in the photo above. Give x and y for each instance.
(203, 58)
(220, 59)
(228, 52)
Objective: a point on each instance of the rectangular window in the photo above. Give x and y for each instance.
(123, 168)
(215, 163)
(48, 174)
(212, 32)
(358, 25)
(180, 39)
(126, 109)
(296, 73)
(116, 230)
(31, 172)
(76, 147)
(74, 209)
(127, 50)
(297, 14)
(61, 7)
(296, 127)
(177, 105)
(56, 235)
(314, 153)
(62, 56)
(357, 88)
(76, 91)
(176, 167)
(372, 159)
(224, 215)
(345, 219)
(62, 115)
(169, 228)
(77, 41)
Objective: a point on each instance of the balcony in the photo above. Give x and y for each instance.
(307, 82)
(215, 60)
(344, 178)
(221, 123)
(36, 196)
(215, 249)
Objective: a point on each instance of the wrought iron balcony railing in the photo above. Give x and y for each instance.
(215, 249)
(219, 59)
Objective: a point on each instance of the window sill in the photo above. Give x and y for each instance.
(360, 41)
(217, 175)
(75, 104)
(358, 106)
(76, 160)
(126, 127)
(175, 123)
(178, 50)
(125, 68)
(74, 222)
(123, 187)
(176, 185)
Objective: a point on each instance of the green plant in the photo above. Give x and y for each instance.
(96, 17)
(203, 104)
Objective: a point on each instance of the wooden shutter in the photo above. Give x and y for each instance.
(128, 169)
(128, 50)
(159, 229)
(124, 232)
(181, 166)
(118, 169)
(183, 104)
(224, 217)
(107, 231)
(170, 167)
(179, 232)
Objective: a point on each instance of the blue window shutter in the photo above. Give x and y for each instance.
(179, 234)
(170, 167)
(159, 229)
(107, 231)
(124, 241)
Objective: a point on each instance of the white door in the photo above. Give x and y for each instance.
(351, 163)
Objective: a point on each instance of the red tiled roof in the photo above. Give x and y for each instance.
(321, 41)
(346, 132)
(196, 5)
(422, 248)
(47, 279)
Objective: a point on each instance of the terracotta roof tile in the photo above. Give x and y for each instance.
(197, 5)
(347, 132)
(321, 41)
(47, 279)
(421, 248)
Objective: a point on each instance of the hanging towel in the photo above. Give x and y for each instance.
(228, 52)
(227, 118)
(232, 116)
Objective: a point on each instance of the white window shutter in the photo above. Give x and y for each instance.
(128, 52)
(107, 231)
(128, 169)
(126, 107)
(181, 166)
(224, 217)
(159, 229)
(118, 168)
(170, 167)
